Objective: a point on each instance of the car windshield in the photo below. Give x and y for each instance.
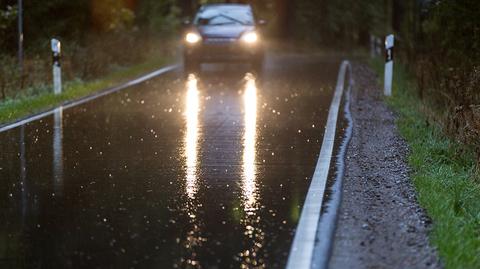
(224, 16)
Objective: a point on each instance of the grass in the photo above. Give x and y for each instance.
(43, 98)
(443, 174)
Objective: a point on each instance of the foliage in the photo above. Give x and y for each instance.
(97, 38)
(9, 75)
(448, 63)
(74, 21)
(111, 15)
(159, 16)
(444, 177)
(8, 15)
(339, 23)
(439, 40)
(40, 97)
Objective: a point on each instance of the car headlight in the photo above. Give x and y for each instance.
(192, 38)
(250, 37)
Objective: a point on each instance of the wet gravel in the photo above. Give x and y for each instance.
(380, 224)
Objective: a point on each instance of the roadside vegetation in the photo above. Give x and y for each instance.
(437, 97)
(104, 43)
(437, 40)
(444, 174)
(40, 97)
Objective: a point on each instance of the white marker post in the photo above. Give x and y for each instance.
(57, 71)
(389, 41)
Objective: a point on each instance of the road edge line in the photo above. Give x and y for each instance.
(85, 99)
(301, 252)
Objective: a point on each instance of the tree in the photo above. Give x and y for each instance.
(111, 15)
(160, 16)
(7, 23)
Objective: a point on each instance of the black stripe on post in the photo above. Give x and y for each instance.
(56, 59)
(389, 55)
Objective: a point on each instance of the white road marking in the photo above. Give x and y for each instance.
(89, 98)
(301, 252)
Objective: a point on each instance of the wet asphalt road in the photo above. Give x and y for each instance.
(206, 170)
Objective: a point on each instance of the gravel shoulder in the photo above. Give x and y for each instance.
(380, 224)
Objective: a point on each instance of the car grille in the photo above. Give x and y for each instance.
(219, 40)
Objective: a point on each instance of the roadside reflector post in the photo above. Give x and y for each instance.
(57, 71)
(389, 42)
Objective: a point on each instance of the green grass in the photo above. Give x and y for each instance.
(444, 176)
(43, 98)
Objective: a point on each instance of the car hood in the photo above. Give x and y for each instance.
(223, 31)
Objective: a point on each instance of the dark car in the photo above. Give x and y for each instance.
(223, 33)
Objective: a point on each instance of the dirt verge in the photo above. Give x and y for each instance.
(380, 224)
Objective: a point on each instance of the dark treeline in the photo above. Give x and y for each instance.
(446, 60)
(438, 40)
(323, 22)
(75, 20)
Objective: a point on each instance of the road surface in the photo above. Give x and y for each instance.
(208, 170)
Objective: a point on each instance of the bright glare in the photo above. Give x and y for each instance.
(249, 140)
(250, 37)
(191, 137)
(192, 110)
(192, 38)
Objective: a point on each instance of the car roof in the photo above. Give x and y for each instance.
(225, 6)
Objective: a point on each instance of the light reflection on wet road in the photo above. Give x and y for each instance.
(207, 171)
(192, 109)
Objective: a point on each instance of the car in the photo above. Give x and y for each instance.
(223, 33)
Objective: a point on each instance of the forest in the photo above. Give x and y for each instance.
(437, 40)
